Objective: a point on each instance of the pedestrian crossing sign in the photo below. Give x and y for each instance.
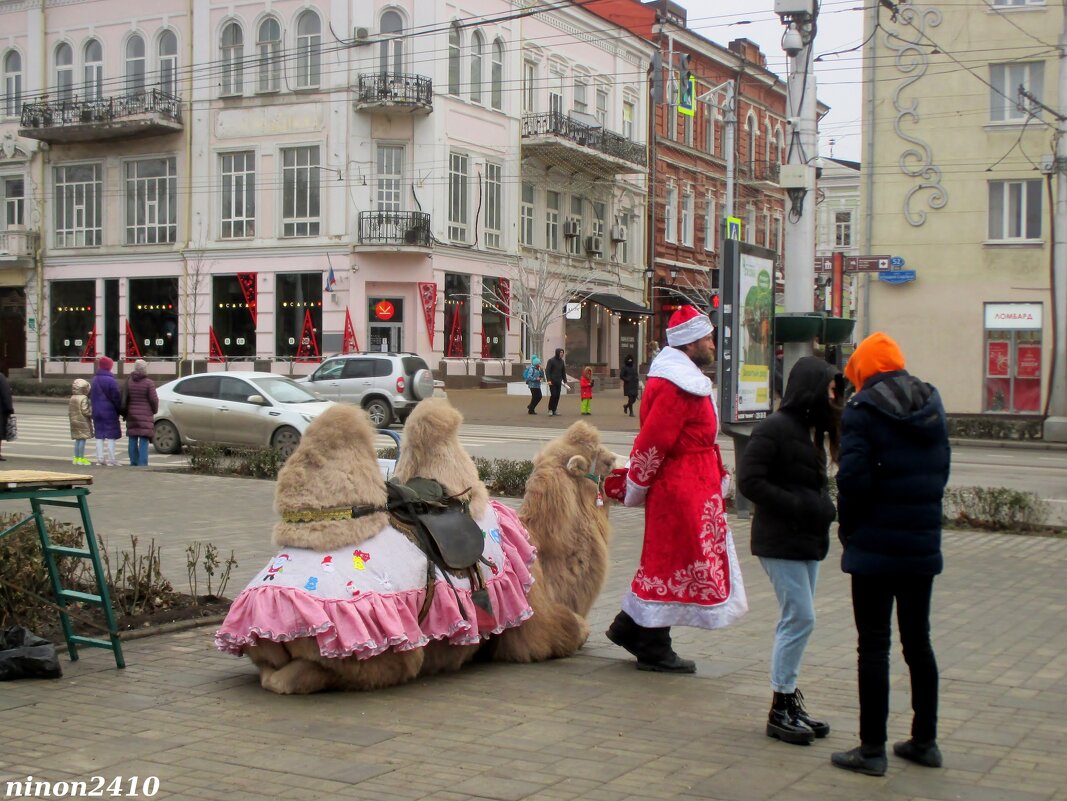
(733, 228)
(687, 91)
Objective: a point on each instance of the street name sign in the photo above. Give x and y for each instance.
(867, 264)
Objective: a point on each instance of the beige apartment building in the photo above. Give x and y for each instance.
(955, 184)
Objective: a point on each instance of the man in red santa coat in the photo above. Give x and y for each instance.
(688, 574)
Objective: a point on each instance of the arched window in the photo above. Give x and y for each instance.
(168, 63)
(13, 83)
(768, 143)
(64, 72)
(453, 59)
(781, 145)
(135, 59)
(477, 48)
(308, 50)
(750, 129)
(93, 75)
(391, 58)
(233, 54)
(269, 50)
(496, 79)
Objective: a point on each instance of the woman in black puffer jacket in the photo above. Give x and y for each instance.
(783, 472)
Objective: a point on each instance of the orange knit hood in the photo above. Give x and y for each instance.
(878, 353)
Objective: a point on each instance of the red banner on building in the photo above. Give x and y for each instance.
(455, 346)
(1028, 361)
(349, 345)
(248, 289)
(214, 354)
(505, 296)
(997, 358)
(89, 352)
(308, 351)
(485, 343)
(132, 351)
(428, 296)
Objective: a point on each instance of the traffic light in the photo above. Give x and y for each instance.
(657, 77)
(715, 301)
(686, 87)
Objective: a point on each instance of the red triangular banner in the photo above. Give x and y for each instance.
(505, 295)
(428, 296)
(349, 345)
(132, 351)
(309, 346)
(89, 353)
(215, 354)
(247, 282)
(455, 333)
(485, 344)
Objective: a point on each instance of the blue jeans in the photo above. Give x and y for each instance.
(794, 584)
(79, 449)
(138, 451)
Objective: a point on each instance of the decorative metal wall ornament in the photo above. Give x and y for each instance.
(918, 162)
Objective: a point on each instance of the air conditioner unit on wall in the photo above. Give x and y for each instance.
(594, 245)
(360, 35)
(618, 233)
(572, 228)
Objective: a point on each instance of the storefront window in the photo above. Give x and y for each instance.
(153, 318)
(494, 328)
(578, 337)
(298, 296)
(232, 320)
(457, 315)
(72, 317)
(1013, 358)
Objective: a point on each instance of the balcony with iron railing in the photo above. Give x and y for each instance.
(17, 244)
(761, 172)
(394, 230)
(394, 92)
(560, 139)
(147, 113)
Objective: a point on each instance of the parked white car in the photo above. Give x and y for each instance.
(235, 409)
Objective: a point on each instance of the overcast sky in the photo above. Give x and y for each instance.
(838, 77)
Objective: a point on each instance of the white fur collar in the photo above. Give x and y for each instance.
(679, 369)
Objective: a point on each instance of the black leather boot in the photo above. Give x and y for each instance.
(782, 725)
(651, 646)
(869, 760)
(820, 727)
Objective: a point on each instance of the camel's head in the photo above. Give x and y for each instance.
(581, 455)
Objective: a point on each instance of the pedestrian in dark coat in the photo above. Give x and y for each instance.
(142, 403)
(629, 377)
(106, 398)
(7, 408)
(783, 472)
(894, 466)
(556, 373)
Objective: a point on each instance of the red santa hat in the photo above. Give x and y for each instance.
(687, 325)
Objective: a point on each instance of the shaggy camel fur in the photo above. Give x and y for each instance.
(569, 530)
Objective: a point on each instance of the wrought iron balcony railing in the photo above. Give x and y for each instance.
(595, 137)
(393, 88)
(395, 228)
(765, 171)
(53, 113)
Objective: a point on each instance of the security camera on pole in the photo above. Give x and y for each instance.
(797, 176)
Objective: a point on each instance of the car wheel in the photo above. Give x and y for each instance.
(379, 412)
(165, 438)
(422, 384)
(285, 440)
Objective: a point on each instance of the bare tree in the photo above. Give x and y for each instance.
(194, 288)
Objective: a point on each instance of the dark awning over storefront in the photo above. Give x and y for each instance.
(617, 303)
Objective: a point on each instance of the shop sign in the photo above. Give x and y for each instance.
(1028, 361)
(997, 359)
(384, 310)
(1013, 316)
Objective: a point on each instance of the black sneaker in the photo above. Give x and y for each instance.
(868, 762)
(926, 754)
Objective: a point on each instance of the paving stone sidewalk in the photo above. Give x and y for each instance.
(590, 727)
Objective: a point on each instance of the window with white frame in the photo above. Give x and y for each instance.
(77, 201)
(389, 178)
(842, 229)
(780, 140)
(750, 131)
(1005, 103)
(555, 90)
(628, 110)
(622, 249)
(710, 222)
(776, 233)
(1015, 210)
(12, 83)
(688, 221)
(599, 211)
(1017, 3)
(93, 74)
(458, 196)
(233, 52)
(14, 202)
(64, 72)
(454, 59)
(529, 83)
(552, 220)
(750, 226)
(574, 220)
(391, 48)
(269, 56)
(494, 204)
(496, 76)
(301, 213)
(238, 174)
(168, 63)
(477, 54)
(526, 221)
(670, 212)
(581, 96)
(602, 106)
(135, 65)
(151, 201)
(766, 229)
(768, 142)
(308, 50)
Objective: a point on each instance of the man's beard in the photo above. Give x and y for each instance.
(702, 358)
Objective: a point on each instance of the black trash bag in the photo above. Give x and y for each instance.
(24, 655)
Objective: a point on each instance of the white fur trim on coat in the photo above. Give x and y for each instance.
(680, 370)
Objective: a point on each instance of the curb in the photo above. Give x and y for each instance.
(1019, 444)
(170, 628)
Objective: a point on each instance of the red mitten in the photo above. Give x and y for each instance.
(615, 484)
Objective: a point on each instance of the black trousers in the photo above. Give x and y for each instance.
(535, 398)
(872, 605)
(554, 388)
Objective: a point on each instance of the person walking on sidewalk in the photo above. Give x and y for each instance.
(80, 412)
(142, 403)
(533, 375)
(106, 399)
(586, 386)
(7, 408)
(556, 373)
(783, 473)
(630, 383)
(676, 471)
(894, 466)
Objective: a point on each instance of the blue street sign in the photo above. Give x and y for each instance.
(896, 262)
(897, 276)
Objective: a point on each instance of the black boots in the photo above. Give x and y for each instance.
(926, 754)
(866, 759)
(790, 722)
(820, 727)
(651, 646)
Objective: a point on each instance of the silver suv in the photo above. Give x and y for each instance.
(388, 385)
